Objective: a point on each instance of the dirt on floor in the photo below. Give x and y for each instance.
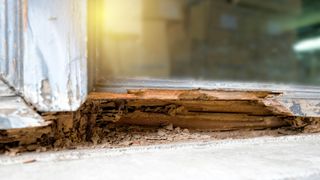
(116, 136)
(123, 136)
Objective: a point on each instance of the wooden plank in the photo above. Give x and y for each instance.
(293, 97)
(55, 71)
(3, 37)
(39, 39)
(218, 110)
(11, 42)
(14, 113)
(209, 109)
(123, 84)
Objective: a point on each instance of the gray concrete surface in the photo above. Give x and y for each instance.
(291, 157)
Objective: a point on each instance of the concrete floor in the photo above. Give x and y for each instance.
(291, 157)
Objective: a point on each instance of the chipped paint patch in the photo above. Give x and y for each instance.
(296, 109)
(46, 92)
(25, 15)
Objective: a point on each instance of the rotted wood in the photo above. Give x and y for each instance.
(203, 109)
(218, 110)
(19, 123)
(61, 129)
(23, 127)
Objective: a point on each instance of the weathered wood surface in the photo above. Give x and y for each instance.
(11, 42)
(303, 101)
(200, 109)
(14, 113)
(43, 51)
(206, 109)
(19, 123)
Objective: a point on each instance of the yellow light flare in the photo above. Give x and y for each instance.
(123, 17)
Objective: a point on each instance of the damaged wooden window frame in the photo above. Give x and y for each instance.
(44, 58)
(164, 100)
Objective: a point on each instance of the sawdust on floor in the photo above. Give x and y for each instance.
(116, 136)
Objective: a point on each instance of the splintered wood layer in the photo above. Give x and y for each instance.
(63, 128)
(25, 135)
(193, 109)
(205, 109)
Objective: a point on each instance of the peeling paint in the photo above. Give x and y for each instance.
(14, 113)
(41, 39)
(46, 91)
(69, 89)
(296, 109)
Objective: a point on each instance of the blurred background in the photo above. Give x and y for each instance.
(238, 40)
